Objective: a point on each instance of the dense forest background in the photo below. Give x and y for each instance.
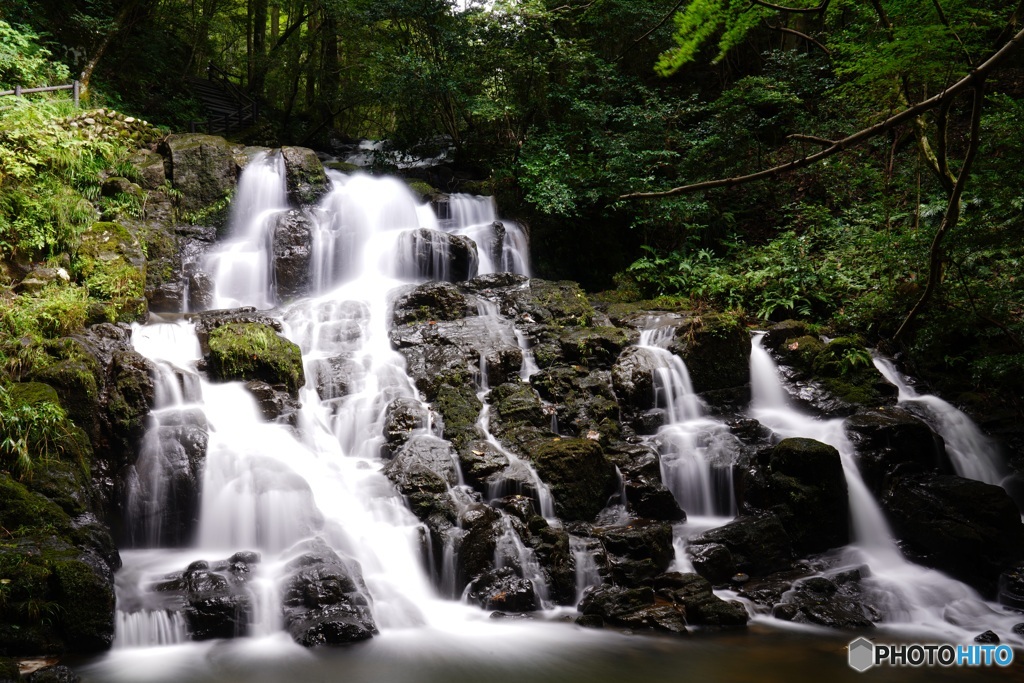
(591, 120)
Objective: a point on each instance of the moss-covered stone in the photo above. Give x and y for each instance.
(307, 181)
(246, 351)
(561, 303)
(459, 408)
(580, 476)
(56, 597)
(430, 301)
(204, 168)
(517, 414)
(111, 262)
(716, 349)
(422, 189)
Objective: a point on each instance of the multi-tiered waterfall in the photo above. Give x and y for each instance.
(311, 483)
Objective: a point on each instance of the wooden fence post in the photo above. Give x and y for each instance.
(78, 92)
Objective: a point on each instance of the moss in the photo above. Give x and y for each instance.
(111, 262)
(580, 476)
(421, 189)
(459, 408)
(245, 351)
(594, 346)
(342, 167)
(87, 605)
(561, 303)
(716, 349)
(619, 310)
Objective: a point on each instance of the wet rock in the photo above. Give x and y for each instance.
(1011, 587)
(580, 476)
(203, 168)
(307, 181)
(712, 561)
(274, 401)
(482, 463)
(646, 495)
(200, 290)
(716, 350)
(987, 638)
(459, 408)
(423, 464)
(758, 545)
(502, 589)
(214, 601)
(53, 674)
(325, 599)
(292, 243)
(634, 608)
(637, 552)
(208, 321)
(818, 600)
(430, 301)
(253, 351)
(518, 416)
(805, 487)
(150, 166)
(482, 528)
(402, 417)
(701, 606)
(887, 438)
(436, 255)
(964, 527)
(633, 378)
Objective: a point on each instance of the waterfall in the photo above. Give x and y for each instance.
(974, 455)
(697, 452)
(909, 594)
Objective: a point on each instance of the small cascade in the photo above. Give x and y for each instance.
(242, 266)
(149, 628)
(907, 593)
(973, 454)
(584, 555)
(697, 452)
(503, 246)
(161, 500)
(511, 552)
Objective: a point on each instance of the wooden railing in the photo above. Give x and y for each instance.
(18, 91)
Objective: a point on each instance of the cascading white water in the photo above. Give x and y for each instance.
(267, 487)
(909, 595)
(501, 249)
(974, 455)
(697, 452)
(242, 265)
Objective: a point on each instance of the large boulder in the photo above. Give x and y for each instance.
(424, 464)
(325, 599)
(716, 350)
(204, 168)
(804, 485)
(634, 608)
(503, 589)
(208, 321)
(837, 602)
(701, 606)
(214, 599)
(248, 351)
(638, 552)
(633, 378)
(305, 175)
(580, 476)
(964, 527)
(889, 437)
(754, 545)
(293, 250)
(436, 255)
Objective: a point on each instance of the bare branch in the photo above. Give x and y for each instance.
(949, 221)
(804, 10)
(783, 29)
(656, 27)
(858, 138)
(799, 137)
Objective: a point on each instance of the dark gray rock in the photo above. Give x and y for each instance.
(305, 175)
(292, 243)
(638, 552)
(887, 438)
(758, 545)
(436, 255)
(502, 589)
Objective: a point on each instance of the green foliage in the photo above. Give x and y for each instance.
(24, 62)
(30, 433)
(700, 21)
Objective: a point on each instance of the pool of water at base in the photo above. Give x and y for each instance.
(525, 651)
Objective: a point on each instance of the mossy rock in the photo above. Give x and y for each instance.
(111, 263)
(422, 189)
(580, 476)
(716, 349)
(459, 408)
(593, 346)
(430, 301)
(561, 303)
(307, 181)
(56, 597)
(204, 168)
(247, 351)
(343, 167)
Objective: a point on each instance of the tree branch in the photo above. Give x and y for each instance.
(968, 81)
(783, 29)
(804, 10)
(661, 23)
(949, 221)
(799, 137)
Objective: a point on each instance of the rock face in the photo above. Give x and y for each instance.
(580, 476)
(292, 241)
(964, 527)
(204, 168)
(751, 545)
(325, 599)
(213, 599)
(804, 486)
(253, 351)
(888, 438)
(306, 178)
